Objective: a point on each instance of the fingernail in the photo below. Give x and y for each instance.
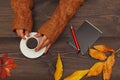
(27, 35)
(36, 50)
(24, 38)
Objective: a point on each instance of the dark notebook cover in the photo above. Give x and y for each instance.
(86, 34)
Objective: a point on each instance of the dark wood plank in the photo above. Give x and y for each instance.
(44, 67)
(103, 14)
(6, 16)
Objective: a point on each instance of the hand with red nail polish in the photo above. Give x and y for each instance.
(45, 42)
(22, 33)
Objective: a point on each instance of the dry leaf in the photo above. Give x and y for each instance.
(103, 48)
(59, 68)
(107, 70)
(6, 66)
(7, 72)
(77, 75)
(4, 58)
(97, 54)
(3, 73)
(108, 64)
(96, 69)
(10, 64)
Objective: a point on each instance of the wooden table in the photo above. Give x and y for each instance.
(105, 14)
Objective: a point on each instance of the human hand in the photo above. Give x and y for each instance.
(45, 42)
(22, 33)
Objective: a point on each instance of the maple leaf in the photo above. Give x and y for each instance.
(4, 58)
(6, 65)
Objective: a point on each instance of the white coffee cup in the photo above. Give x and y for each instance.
(31, 53)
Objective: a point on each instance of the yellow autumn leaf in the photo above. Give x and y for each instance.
(96, 69)
(59, 68)
(103, 48)
(97, 54)
(77, 75)
(107, 70)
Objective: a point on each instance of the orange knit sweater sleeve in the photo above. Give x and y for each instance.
(23, 14)
(53, 27)
(62, 14)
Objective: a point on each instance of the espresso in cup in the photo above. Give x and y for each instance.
(32, 43)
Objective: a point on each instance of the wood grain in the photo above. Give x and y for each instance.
(105, 14)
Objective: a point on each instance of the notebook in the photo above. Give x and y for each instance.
(86, 34)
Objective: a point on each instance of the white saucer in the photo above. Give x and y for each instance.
(30, 53)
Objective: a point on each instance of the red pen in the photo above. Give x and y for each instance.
(75, 38)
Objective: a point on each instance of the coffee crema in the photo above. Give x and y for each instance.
(31, 43)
